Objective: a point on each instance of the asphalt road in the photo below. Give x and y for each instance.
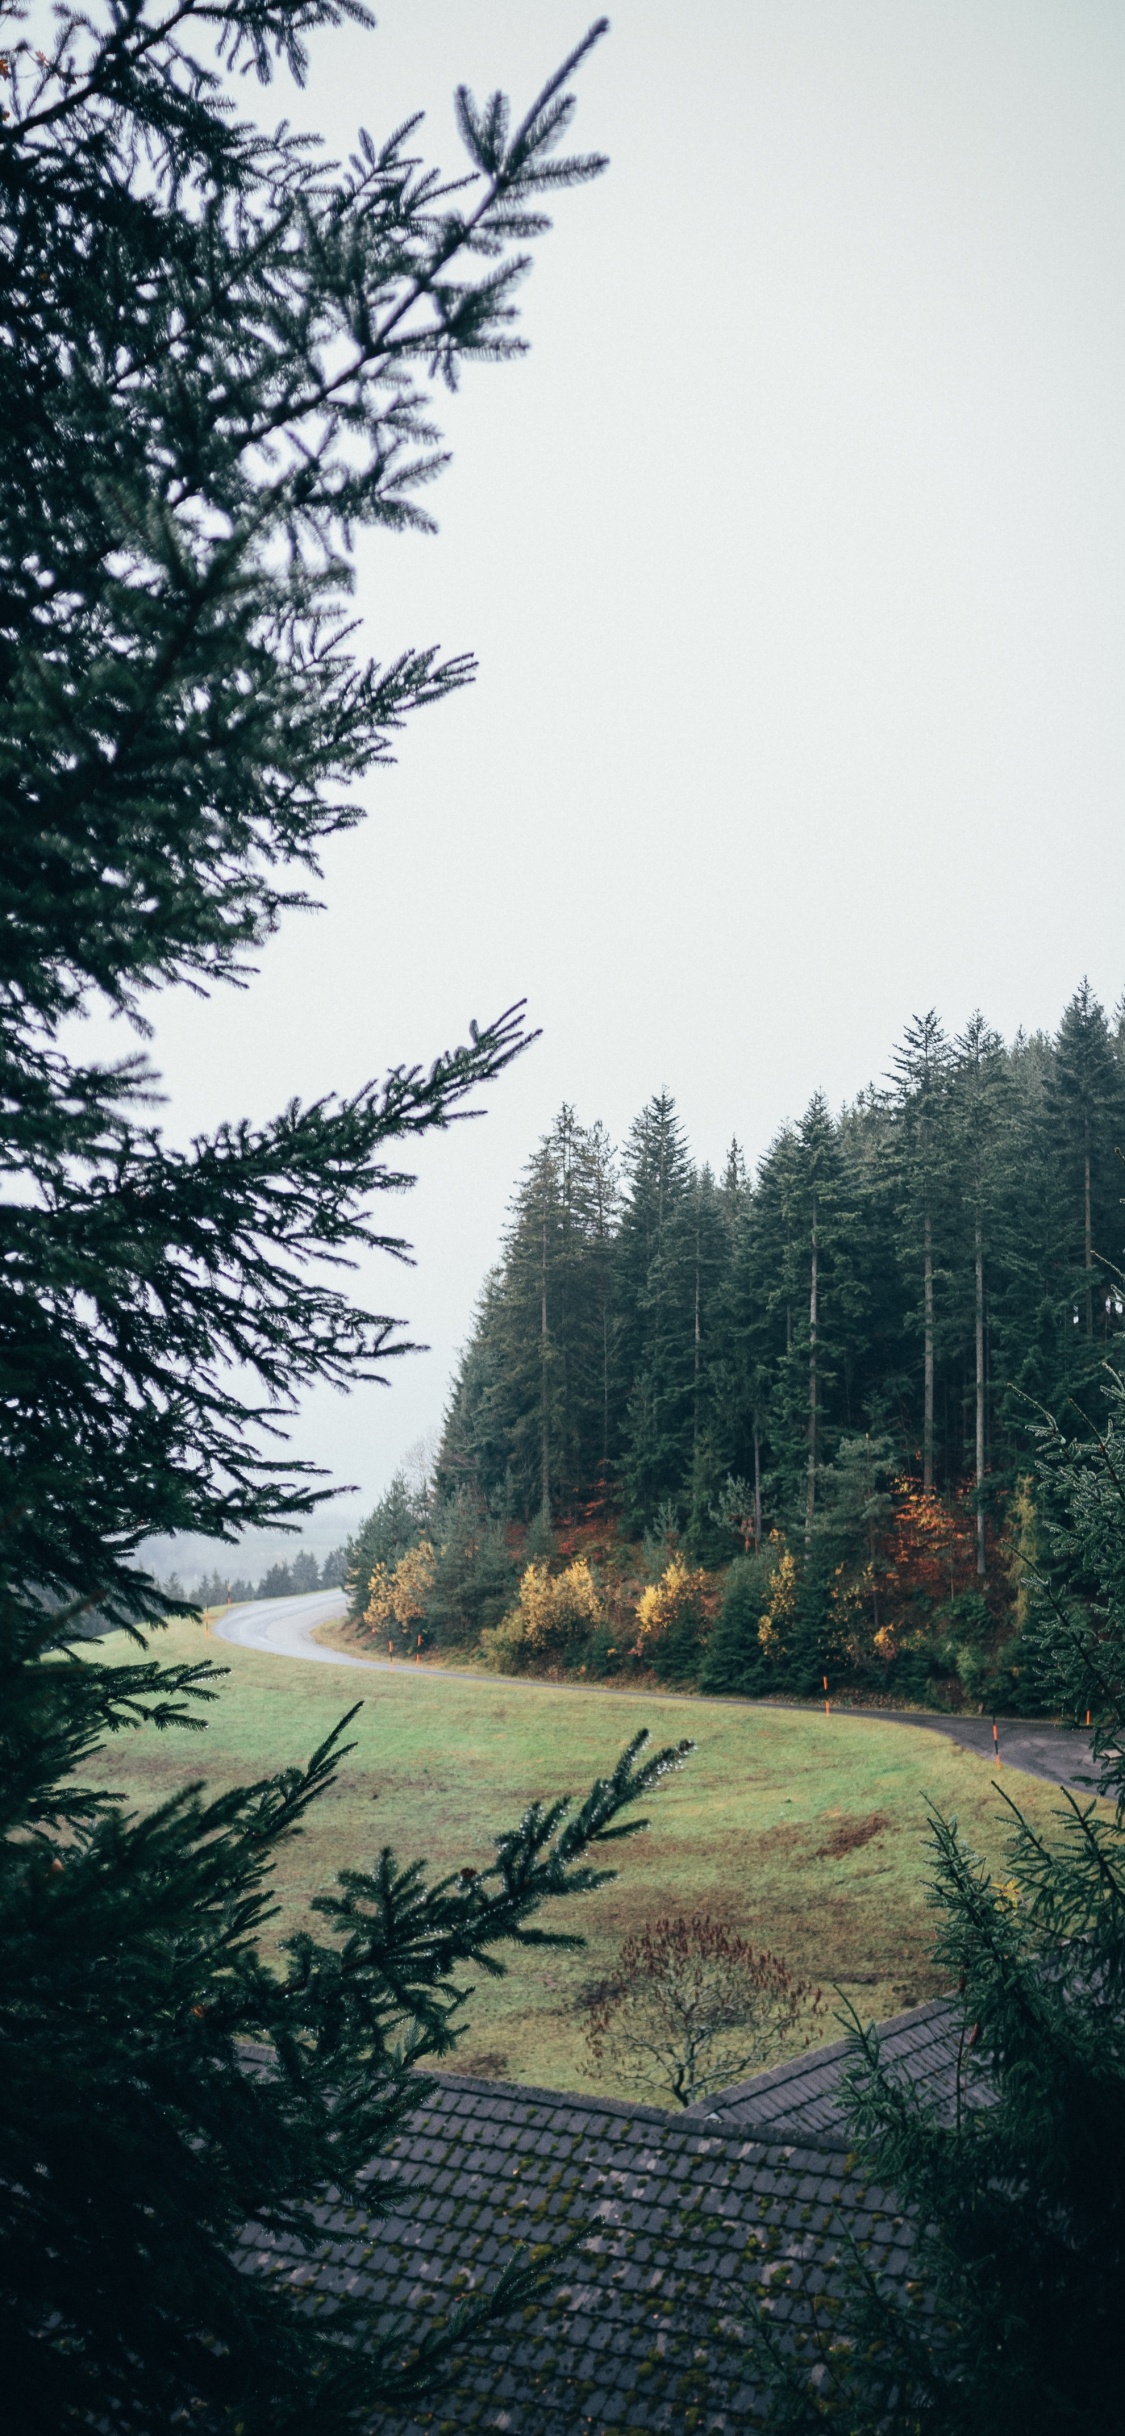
(1060, 1753)
(285, 1628)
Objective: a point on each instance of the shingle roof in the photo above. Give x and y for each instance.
(802, 2099)
(686, 2215)
(646, 2329)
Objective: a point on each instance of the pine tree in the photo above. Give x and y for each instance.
(822, 1184)
(215, 372)
(733, 1662)
(1086, 1110)
(711, 1249)
(921, 1152)
(1034, 1321)
(395, 1524)
(655, 1272)
(533, 1399)
(981, 1115)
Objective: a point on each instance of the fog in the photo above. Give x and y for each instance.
(792, 556)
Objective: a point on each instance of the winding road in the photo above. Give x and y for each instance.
(285, 1628)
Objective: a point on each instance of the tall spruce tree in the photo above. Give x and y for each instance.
(655, 1281)
(1086, 1110)
(981, 1112)
(710, 1255)
(217, 352)
(772, 1283)
(920, 1151)
(532, 1403)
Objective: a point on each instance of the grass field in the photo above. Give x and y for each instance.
(758, 1829)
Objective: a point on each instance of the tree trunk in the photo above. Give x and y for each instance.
(695, 1361)
(979, 1248)
(810, 1499)
(1089, 1242)
(928, 1315)
(605, 1387)
(544, 1384)
(757, 1487)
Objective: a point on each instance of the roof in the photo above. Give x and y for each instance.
(803, 2098)
(688, 2214)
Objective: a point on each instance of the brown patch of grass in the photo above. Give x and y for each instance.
(851, 1834)
(482, 2063)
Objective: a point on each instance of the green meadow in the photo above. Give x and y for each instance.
(805, 1832)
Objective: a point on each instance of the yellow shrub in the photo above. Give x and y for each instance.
(551, 1612)
(412, 1583)
(379, 1611)
(776, 1627)
(664, 1602)
(1022, 1546)
(400, 1597)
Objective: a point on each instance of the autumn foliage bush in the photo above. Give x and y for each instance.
(399, 1594)
(673, 1620)
(692, 2008)
(553, 1615)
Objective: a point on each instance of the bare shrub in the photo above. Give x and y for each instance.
(692, 2008)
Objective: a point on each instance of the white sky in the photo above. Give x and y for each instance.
(793, 559)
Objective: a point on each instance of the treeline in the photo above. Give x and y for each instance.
(835, 1360)
(282, 1580)
(924, 1267)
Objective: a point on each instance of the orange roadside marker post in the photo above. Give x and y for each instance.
(418, 1652)
(827, 1710)
(391, 1651)
(996, 1743)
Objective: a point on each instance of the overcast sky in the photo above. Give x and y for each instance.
(792, 555)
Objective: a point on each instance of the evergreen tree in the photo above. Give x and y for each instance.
(833, 1307)
(601, 1349)
(711, 1219)
(920, 1151)
(217, 356)
(276, 1582)
(395, 1524)
(656, 1278)
(474, 1571)
(1033, 1317)
(733, 1662)
(802, 1297)
(777, 1285)
(741, 1370)
(477, 1438)
(981, 1113)
(532, 1401)
(1086, 1110)
(846, 1596)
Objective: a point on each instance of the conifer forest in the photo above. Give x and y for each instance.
(791, 1410)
